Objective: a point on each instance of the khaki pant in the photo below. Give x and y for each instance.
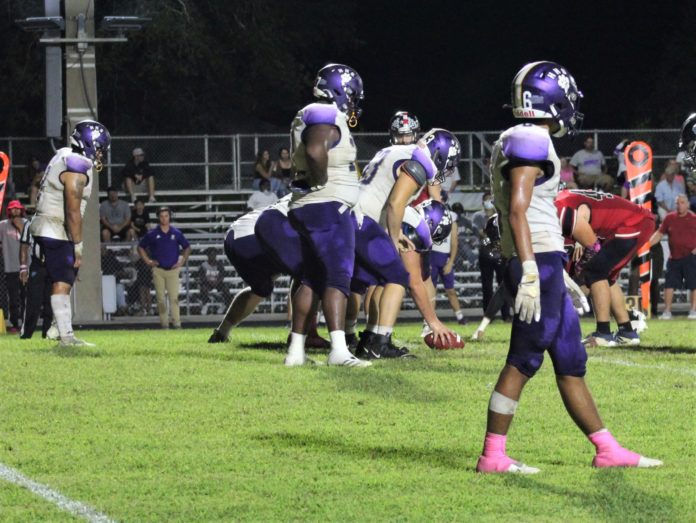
(601, 181)
(169, 281)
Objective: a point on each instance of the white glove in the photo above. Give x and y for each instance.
(578, 297)
(78, 249)
(528, 300)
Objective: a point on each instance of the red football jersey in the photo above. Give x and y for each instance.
(610, 216)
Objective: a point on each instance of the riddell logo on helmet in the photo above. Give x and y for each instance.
(524, 113)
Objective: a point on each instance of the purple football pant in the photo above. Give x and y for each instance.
(328, 245)
(377, 262)
(252, 262)
(558, 330)
(60, 259)
(281, 241)
(438, 260)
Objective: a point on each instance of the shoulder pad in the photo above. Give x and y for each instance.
(526, 143)
(77, 164)
(421, 156)
(415, 170)
(315, 114)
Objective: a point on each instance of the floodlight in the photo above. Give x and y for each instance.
(42, 23)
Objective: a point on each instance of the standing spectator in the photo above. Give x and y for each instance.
(621, 161)
(10, 232)
(38, 286)
(680, 225)
(448, 186)
(36, 171)
(115, 217)
(112, 266)
(263, 197)
(591, 168)
(690, 179)
(141, 285)
(263, 171)
(138, 171)
(282, 170)
(166, 250)
(567, 174)
(488, 264)
(140, 221)
(467, 236)
(668, 189)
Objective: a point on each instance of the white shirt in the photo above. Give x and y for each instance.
(261, 199)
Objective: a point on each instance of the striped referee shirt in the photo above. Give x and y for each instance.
(34, 248)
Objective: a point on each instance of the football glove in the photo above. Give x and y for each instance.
(579, 300)
(528, 299)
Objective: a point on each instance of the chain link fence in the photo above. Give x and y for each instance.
(185, 163)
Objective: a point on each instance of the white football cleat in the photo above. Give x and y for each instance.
(74, 342)
(666, 315)
(646, 463)
(52, 333)
(347, 360)
(426, 330)
(478, 335)
(298, 361)
(521, 468)
(637, 320)
(692, 315)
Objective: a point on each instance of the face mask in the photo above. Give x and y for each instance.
(488, 205)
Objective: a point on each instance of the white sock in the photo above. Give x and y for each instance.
(370, 327)
(60, 303)
(381, 329)
(460, 314)
(484, 323)
(338, 343)
(297, 342)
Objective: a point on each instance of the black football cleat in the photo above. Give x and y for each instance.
(217, 337)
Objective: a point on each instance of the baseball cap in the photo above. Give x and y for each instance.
(138, 151)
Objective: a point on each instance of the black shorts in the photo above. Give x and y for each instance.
(681, 271)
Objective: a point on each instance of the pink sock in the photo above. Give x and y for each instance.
(494, 444)
(494, 458)
(610, 453)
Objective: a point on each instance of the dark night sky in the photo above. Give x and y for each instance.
(452, 63)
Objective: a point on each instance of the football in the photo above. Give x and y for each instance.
(455, 342)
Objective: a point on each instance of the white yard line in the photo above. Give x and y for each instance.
(626, 363)
(76, 508)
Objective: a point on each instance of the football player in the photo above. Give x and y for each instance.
(325, 189)
(610, 230)
(394, 176)
(57, 226)
(525, 175)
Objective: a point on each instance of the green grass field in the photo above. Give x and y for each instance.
(161, 426)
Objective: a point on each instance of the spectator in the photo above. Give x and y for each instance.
(141, 285)
(211, 276)
(591, 168)
(140, 221)
(465, 228)
(668, 189)
(680, 225)
(263, 171)
(166, 250)
(691, 189)
(36, 171)
(115, 217)
(10, 232)
(621, 161)
(450, 184)
(490, 263)
(137, 171)
(112, 266)
(567, 174)
(282, 171)
(263, 197)
(34, 276)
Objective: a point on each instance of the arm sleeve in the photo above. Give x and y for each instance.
(567, 216)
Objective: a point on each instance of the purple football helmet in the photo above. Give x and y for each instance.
(402, 125)
(445, 152)
(547, 90)
(88, 137)
(341, 84)
(438, 218)
(687, 141)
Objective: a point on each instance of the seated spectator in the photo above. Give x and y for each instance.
(262, 197)
(137, 171)
(36, 173)
(567, 174)
(591, 168)
(211, 276)
(115, 217)
(282, 170)
(112, 266)
(140, 220)
(668, 189)
(263, 171)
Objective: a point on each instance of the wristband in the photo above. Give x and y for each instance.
(23, 268)
(530, 267)
(78, 249)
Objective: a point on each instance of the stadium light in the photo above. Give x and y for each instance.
(41, 24)
(121, 24)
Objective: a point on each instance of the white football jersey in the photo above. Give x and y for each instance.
(49, 221)
(528, 144)
(342, 183)
(244, 225)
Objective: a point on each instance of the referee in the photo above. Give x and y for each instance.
(35, 277)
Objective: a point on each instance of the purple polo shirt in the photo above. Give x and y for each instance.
(164, 247)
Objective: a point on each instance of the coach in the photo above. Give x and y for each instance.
(165, 249)
(680, 225)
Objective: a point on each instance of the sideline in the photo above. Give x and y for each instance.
(76, 508)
